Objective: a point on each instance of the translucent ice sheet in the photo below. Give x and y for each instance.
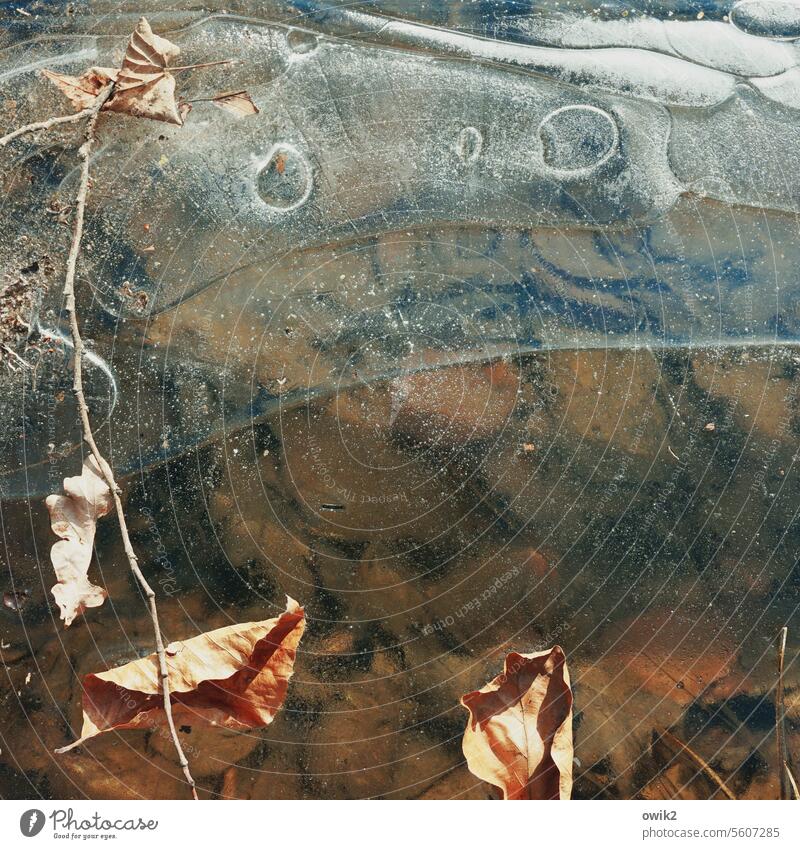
(412, 195)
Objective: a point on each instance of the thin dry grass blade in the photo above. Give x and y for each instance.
(790, 780)
(699, 762)
(780, 714)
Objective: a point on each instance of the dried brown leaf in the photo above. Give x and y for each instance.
(235, 677)
(145, 88)
(155, 101)
(519, 732)
(81, 91)
(146, 57)
(238, 103)
(73, 517)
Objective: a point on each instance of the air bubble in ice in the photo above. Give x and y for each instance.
(284, 181)
(301, 41)
(767, 18)
(469, 144)
(578, 137)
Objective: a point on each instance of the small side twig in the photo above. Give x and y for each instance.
(48, 124)
(696, 759)
(780, 715)
(212, 99)
(202, 65)
(88, 435)
(15, 356)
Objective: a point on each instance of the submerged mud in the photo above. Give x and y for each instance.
(431, 524)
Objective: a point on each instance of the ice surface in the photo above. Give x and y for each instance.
(768, 18)
(410, 196)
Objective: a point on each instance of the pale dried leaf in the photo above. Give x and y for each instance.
(519, 732)
(238, 103)
(234, 677)
(81, 91)
(146, 57)
(145, 88)
(73, 517)
(154, 100)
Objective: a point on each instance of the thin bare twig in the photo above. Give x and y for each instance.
(780, 714)
(88, 435)
(46, 125)
(705, 767)
(217, 97)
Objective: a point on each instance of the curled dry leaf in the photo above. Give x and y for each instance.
(144, 88)
(519, 732)
(81, 91)
(73, 517)
(235, 677)
(237, 102)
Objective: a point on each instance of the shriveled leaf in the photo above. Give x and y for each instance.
(146, 57)
(519, 732)
(154, 100)
(73, 517)
(145, 88)
(239, 103)
(81, 91)
(235, 677)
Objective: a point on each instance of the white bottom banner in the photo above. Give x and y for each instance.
(365, 823)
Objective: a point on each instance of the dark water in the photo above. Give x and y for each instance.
(562, 497)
